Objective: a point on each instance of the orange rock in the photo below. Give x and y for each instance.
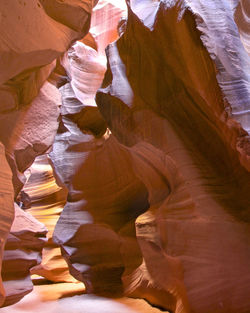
(47, 200)
(22, 251)
(6, 209)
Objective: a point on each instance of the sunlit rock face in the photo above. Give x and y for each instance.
(159, 208)
(103, 200)
(26, 57)
(6, 208)
(30, 131)
(85, 62)
(242, 16)
(22, 251)
(27, 62)
(46, 201)
(104, 195)
(35, 34)
(104, 20)
(228, 49)
(161, 87)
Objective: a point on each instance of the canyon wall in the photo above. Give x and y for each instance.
(36, 34)
(152, 169)
(162, 86)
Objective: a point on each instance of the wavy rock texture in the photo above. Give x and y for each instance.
(104, 197)
(202, 226)
(22, 251)
(233, 65)
(6, 208)
(86, 68)
(96, 229)
(47, 200)
(173, 232)
(77, 158)
(242, 17)
(29, 101)
(30, 131)
(26, 58)
(35, 34)
(85, 62)
(104, 20)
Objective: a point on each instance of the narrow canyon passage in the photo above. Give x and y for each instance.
(124, 156)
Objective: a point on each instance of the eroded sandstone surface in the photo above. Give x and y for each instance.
(36, 33)
(6, 208)
(152, 169)
(173, 101)
(45, 202)
(22, 252)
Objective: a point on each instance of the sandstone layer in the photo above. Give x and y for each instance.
(36, 33)
(22, 251)
(27, 58)
(30, 131)
(242, 16)
(155, 167)
(181, 111)
(46, 201)
(6, 208)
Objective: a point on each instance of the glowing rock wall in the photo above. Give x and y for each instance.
(156, 165)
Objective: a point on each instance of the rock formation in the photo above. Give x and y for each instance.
(47, 200)
(27, 62)
(28, 58)
(22, 251)
(242, 20)
(6, 208)
(35, 34)
(30, 131)
(181, 111)
(155, 167)
(83, 136)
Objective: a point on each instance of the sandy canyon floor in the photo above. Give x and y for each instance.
(68, 297)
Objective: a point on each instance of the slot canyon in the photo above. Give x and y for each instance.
(125, 156)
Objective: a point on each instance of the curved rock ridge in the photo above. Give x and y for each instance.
(6, 209)
(104, 197)
(85, 68)
(180, 110)
(96, 230)
(242, 16)
(30, 131)
(158, 180)
(47, 200)
(85, 62)
(26, 58)
(188, 74)
(35, 34)
(104, 21)
(22, 251)
(27, 62)
(225, 43)
(81, 143)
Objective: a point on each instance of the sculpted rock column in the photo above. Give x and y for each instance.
(6, 209)
(30, 131)
(35, 34)
(47, 200)
(104, 194)
(181, 111)
(22, 251)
